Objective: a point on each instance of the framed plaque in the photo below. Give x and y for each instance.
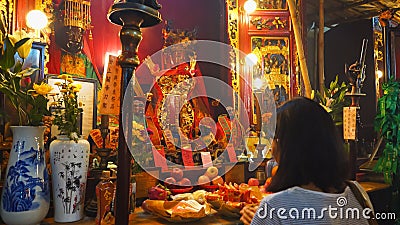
(87, 96)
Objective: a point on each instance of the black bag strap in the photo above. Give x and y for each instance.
(363, 199)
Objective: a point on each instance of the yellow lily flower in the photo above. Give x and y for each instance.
(25, 49)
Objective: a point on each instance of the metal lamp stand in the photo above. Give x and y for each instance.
(131, 15)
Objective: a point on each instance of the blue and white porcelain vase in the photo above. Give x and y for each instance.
(69, 166)
(25, 197)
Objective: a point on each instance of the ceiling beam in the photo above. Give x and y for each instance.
(340, 8)
(347, 6)
(352, 19)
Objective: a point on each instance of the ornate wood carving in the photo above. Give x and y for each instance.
(271, 4)
(269, 23)
(7, 13)
(233, 32)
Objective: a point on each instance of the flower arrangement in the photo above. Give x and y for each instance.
(333, 99)
(27, 98)
(66, 107)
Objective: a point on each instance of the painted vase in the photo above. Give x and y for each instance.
(69, 163)
(25, 197)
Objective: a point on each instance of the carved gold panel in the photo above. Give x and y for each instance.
(271, 4)
(269, 23)
(274, 55)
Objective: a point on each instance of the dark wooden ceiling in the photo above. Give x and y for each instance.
(343, 11)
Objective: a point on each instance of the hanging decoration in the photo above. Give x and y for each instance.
(77, 14)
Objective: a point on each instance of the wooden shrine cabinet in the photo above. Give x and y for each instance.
(267, 33)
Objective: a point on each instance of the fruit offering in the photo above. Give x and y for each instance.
(176, 180)
(210, 178)
(211, 172)
(177, 174)
(253, 182)
(159, 192)
(203, 180)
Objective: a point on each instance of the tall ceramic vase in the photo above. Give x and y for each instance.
(25, 197)
(69, 163)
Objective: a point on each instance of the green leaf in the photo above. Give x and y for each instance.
(378, 166)
(333, 84)
(398, 136)
(7, 60)
(18, 66)
(387, 177)
(384, 128)
(27, 72)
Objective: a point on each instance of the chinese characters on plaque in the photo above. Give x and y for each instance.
(349, 123)
(110, 98)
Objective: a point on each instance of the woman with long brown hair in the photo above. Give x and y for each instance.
(310, 184)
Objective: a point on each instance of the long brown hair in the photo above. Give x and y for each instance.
(309, 148)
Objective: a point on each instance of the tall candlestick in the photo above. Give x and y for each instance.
(131, 16)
